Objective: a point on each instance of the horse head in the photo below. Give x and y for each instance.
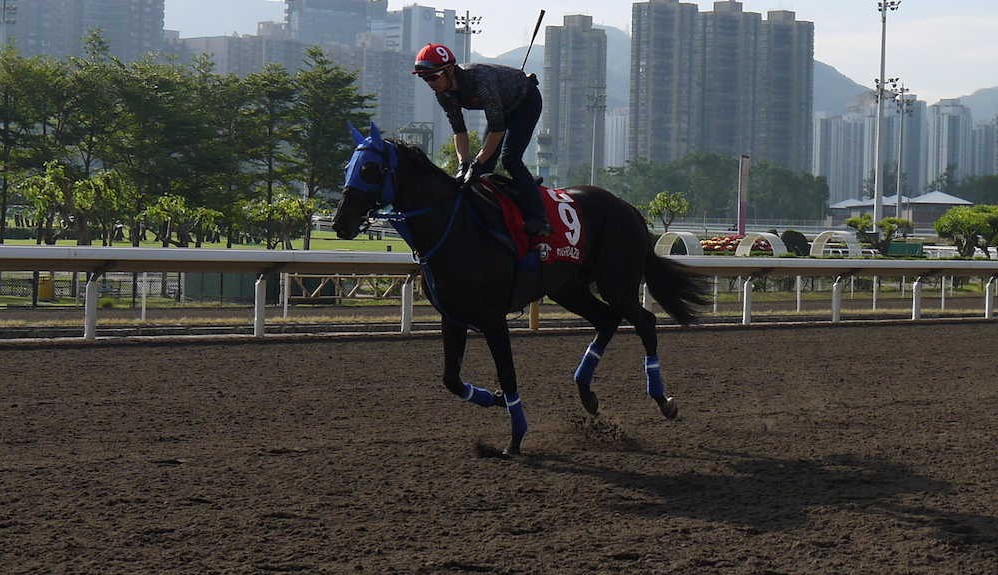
(369, 183)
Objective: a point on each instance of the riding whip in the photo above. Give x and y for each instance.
(532, 38)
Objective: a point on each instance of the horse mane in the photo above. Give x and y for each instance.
(419, 157)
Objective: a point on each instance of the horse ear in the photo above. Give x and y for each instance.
(358, 138)
(375, 133)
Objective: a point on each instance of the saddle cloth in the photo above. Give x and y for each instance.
(567, 240)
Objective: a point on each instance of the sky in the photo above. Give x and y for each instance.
(939, 49)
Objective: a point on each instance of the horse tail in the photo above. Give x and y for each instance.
(676, 287)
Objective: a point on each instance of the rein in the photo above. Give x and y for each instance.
(400, 221)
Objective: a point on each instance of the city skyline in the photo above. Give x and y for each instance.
(940, 52)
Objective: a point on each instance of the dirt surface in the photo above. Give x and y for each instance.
(811, 450)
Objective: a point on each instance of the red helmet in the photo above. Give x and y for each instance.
(433, 57)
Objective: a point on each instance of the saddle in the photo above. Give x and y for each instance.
(501, 217)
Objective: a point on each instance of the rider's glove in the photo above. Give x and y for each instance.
(472, 173)
(462, 169)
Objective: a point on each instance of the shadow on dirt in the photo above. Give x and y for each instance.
(765, 494)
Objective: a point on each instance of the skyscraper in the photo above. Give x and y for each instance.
(574, 89)
(56, 28)
(727, 51)
(665, 81)
(950, 137)
(328, 22)
(725, 81)
(784, 99)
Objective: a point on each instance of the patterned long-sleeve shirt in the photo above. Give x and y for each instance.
(490, 87)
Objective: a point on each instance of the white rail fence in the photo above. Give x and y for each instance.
(97, 261)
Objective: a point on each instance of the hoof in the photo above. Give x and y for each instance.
(589, 401)
(513, 448)
(668, 407)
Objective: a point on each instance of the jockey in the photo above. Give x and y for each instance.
(512, 105)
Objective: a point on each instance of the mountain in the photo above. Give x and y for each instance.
(833, 91)
(983, 104)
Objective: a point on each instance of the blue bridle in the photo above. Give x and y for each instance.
(372, 170)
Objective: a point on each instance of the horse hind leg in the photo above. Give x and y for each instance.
(644, 324)
(580, 301)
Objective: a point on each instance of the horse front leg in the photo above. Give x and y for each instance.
(455, 340)
(502, 354)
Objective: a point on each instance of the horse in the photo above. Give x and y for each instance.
(470, 276)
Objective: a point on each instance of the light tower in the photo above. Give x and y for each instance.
(467, 25)
(883, 6)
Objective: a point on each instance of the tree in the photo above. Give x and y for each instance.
(447, 156)
(666, 206)
(15, 127)
(970, 228)
(327, 100)
(887, 230)
(272, 95)
(45, 194)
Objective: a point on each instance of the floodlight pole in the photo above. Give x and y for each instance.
(878, 183)
(903, 109)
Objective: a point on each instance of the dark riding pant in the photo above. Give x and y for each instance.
(520, 124)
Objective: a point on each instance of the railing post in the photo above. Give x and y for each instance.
(747, 300)
(989, 298)
(716, 282)
(260, 299)
(916, 299)
(942, 295)
(285, 292)
(90, 307)
(145, 293)
(837, 300)
(876, 288)
(800, 289)
(534, 322)
(408, 289)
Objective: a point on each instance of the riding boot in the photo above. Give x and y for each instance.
(535, 221)
(517, 422)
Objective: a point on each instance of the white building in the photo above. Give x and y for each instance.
(950, 140)
(616, 138)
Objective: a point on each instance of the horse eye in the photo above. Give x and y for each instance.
(371, 173)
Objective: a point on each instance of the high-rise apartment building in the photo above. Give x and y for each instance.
(843, 149)
(329, 22)
(950, 138)
(727, 53)
(985, 149)
(725, 81)
(56, 28)
(784, 91)
(664, 107)
(616, 138)
(574, 93)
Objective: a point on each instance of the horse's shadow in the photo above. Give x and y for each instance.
(766, 494)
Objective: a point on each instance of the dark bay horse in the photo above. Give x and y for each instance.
(469, 275)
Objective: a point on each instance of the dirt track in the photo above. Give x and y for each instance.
(818, 450)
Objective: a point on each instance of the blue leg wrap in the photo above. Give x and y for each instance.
(587, 367)
(517, 418)
(478, 396)
(653, 371)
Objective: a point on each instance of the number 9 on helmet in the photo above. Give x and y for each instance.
(433, 57)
